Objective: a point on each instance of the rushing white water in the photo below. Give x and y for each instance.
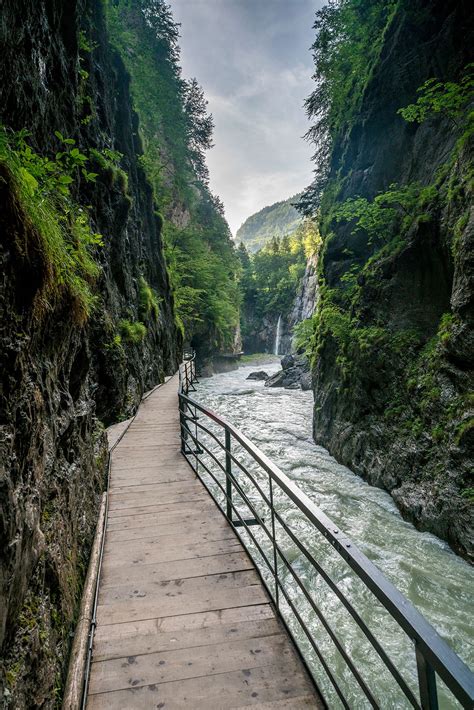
(420, 565)
(276, 349)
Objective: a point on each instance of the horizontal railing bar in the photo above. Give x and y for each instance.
(451, 669)
(199, 441)
(234, 459)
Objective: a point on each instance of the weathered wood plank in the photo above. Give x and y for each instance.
(151, 608)
(141, 589)
(189, 525)
(183, 550)
(184, 663)
(139, 510)
(241, 688)
(185, 631)
(170, 535)
(178, 569)
(170, 516)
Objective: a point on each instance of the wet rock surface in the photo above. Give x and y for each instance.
(258, 375)
(295, 374)
(61, 380)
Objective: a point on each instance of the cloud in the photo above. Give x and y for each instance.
(252, 58)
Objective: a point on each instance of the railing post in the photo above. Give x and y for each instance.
(426, 682)
(181, 424)
(228, 474)
(275, 554)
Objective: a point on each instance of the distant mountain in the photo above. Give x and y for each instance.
(276, 220)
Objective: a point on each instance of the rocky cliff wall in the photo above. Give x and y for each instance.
(393, 374)
(63, 378)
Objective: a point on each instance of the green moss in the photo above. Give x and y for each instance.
(468, 493)
(458, 231)
(464, 428)
(11, 675)
(55, 225)
(115, 343)
(132, 332)
(149, 300)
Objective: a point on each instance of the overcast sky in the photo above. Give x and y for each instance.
(252, 58)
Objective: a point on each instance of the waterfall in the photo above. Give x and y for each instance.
(277, 337)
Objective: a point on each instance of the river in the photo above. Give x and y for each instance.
(420, 565)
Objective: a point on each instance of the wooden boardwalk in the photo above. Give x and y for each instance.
(183, 619)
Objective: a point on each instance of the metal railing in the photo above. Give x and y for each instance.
(266, 509)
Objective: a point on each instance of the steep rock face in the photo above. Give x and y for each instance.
(63, 379)
(305, 304)
(260, 333)
(394, 370)
(307, 298)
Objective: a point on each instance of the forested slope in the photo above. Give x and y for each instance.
(392, 341)
(90, 192)
(272, 281)
(277, 220)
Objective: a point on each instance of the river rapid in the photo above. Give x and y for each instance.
(420, 565)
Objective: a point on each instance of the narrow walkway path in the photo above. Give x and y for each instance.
(183, 619)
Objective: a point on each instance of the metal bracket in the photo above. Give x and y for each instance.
(250, 521)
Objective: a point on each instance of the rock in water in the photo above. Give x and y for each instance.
(294, 375)
(287, 361)
(258, 375)
(276, 380)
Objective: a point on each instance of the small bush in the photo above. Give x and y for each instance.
(132, 332)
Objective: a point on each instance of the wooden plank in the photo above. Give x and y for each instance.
(178, 569)
(139, 510)
(164, 547)
(153, 491)
(184, 514)
(186, 526)
(183, 551)
(133, 500)
(295, 703)
(155, 477)
(152, 608)
(167, 666)
(204, 584)
(241, 688)
(174, 632)
(170, 534)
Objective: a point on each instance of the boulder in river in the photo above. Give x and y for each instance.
(258, 375)
(295, 374)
